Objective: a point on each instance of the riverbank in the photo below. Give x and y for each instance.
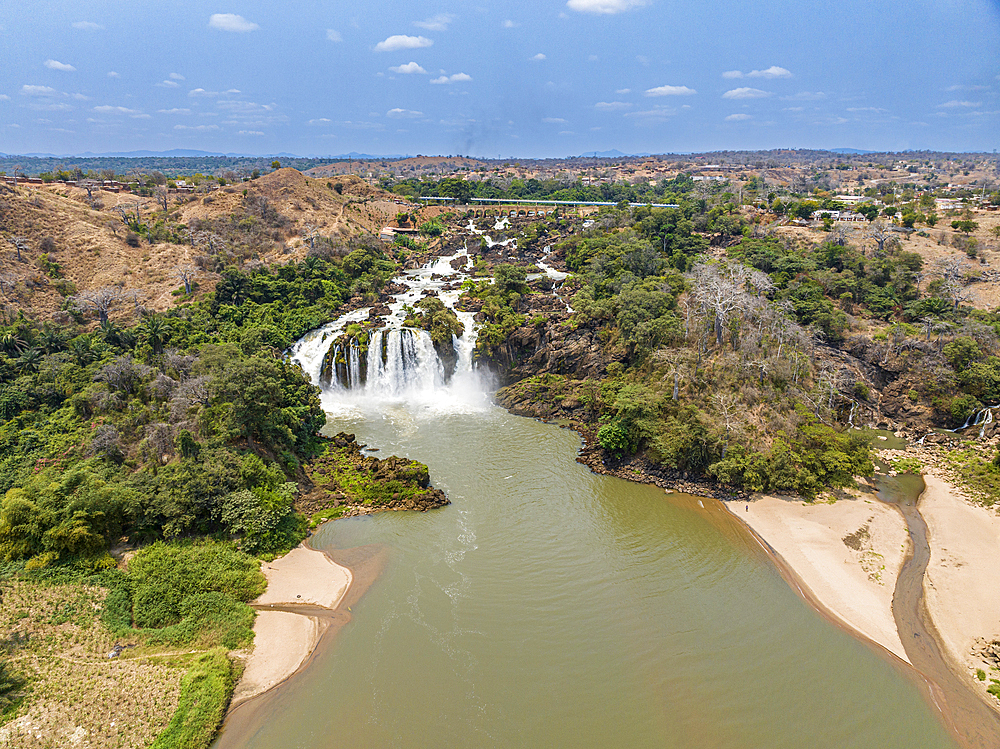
(962, 579)
(845, 556)
(284, 639)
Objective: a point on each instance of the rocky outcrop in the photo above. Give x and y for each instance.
(344, 477)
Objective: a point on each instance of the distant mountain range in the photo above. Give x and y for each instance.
(612, 154)
(191, 153)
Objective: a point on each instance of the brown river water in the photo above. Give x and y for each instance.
(551, 607)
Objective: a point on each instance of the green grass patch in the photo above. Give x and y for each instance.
(980, 475)
(205, 692)
(331, 513)
(906, 465)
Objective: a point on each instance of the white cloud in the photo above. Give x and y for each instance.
(553, 120)
(333, 35)
(4, 97)
(408, 69)
(175, 110)
(196, 128)
(56, 65)
(955, 104)
(231, 22)
(79, 97)
(113, 74)
(805, 96)
(593, 58)
(611, 106)
(320, 121)
(245, 106)
(456, 78)
(510, 24)
(746, 93)
(87, 26)
(249, 132)
(605, 7)
(537, 58)
(29, 90)
(623, 91)
(107, 109)
(176, 77)
(202, 92)
(168, 84)
(772, 72)
(402, 41)
(437, 23)
(399, 114)
(142, 116)
(738, 117)
(670, 91)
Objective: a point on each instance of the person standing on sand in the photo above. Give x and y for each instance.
(748, 507)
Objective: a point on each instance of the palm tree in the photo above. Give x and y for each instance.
(156, 333)
(30, 360)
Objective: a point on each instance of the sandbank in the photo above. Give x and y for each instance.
(283, 640)
(846, 556)
(962, 583)
(304, 575)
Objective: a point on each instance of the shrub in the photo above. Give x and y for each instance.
(205, 692)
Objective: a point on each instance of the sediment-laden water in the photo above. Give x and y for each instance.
(548, 606)
(551, 607)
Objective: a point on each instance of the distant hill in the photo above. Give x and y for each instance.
(851, 151)
(612, 154)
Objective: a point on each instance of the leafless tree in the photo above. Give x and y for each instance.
(162, 197)
(310, 233)
(130, 213)
(124, 374)
(7, 282)
(882, 236)
(89, 185)
(676, 361)
(20, 245)
(953, 282)
(100, 301)
(106, 443)
(186, 274)
(728, 407)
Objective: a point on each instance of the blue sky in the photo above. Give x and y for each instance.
(532, 79)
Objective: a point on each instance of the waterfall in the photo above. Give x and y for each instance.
(402, 362)
(387, 364)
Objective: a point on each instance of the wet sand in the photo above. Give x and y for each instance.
(284, 639)
(962, 585)
(855, 560)
(855, 585)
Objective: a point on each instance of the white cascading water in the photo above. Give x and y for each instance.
(401, 366)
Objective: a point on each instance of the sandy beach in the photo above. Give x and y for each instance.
(283, 640)
(847, 555)
(962, 584)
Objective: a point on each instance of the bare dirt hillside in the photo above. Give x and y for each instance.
(71, 242)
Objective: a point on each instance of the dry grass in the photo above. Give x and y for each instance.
(90, 244)
(76, 695)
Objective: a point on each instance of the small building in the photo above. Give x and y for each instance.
(387, 234)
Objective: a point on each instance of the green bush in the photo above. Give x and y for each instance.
(205, 692)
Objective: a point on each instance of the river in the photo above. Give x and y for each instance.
(548, 606)
(551, 607)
